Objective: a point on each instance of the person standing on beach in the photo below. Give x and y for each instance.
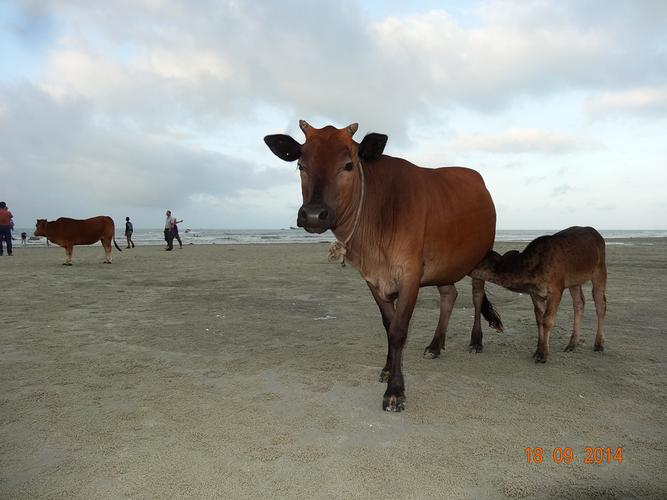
(5, 227)
(169, 231)
(129, 229)
(174, 231)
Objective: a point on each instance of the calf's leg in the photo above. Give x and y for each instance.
(448, 294)
(548, 320)
(578, 304)
(539, 306)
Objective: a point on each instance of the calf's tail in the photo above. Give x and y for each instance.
(491, 315)
(118, 248)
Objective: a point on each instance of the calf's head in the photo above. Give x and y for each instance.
(495, 266)
(328, 163)
(40, 227)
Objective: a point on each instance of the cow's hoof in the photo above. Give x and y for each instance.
(430, 353)
(476, 348)
(570, 348)
(384, 376)
(598, 348)
(540, 357)
(67, 263)
(393, 403)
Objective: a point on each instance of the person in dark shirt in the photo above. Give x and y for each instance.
(129, 229)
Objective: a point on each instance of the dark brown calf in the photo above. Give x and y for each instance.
(547, 266)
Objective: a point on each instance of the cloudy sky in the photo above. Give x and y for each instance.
(129, 107)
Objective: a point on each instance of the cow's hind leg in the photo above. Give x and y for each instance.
(448, 296)
(68, 255)
(477, 299)
(107, 251)
(394, 396)
(387, 312)
(600, 298)
(578, 304)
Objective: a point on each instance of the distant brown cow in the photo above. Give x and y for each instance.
(546, 267)
(69, 232)
(401, 226)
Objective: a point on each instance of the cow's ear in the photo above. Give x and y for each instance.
(283, 146)
(372, 146)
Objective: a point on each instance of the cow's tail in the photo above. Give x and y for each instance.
(491, 315)
(118, 248)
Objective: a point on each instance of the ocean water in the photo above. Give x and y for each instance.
(259, 236)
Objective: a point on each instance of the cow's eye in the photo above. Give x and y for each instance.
(348, 166)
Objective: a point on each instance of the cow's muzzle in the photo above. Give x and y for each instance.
(315, 217)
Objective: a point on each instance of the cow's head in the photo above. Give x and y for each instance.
(40, 227)
(328, 162)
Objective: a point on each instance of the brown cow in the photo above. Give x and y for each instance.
(401, 226)
(546, 267)
(69, 232)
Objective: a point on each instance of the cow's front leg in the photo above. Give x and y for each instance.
(394, 396)
(387, 312)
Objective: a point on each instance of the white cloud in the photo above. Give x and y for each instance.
(75, 72)
(641, 101)
(561, 190)
(222, 59)
(521, 140)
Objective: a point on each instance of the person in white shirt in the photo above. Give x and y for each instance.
(169, 230)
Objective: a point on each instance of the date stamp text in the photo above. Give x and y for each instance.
(590, 455)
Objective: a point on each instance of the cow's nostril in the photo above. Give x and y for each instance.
(323, 215)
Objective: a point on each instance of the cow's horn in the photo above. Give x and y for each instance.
(351, 129)
(304, 126)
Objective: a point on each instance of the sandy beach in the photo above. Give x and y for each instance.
(251, 371)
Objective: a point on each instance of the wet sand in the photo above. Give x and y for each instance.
(251, 372)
